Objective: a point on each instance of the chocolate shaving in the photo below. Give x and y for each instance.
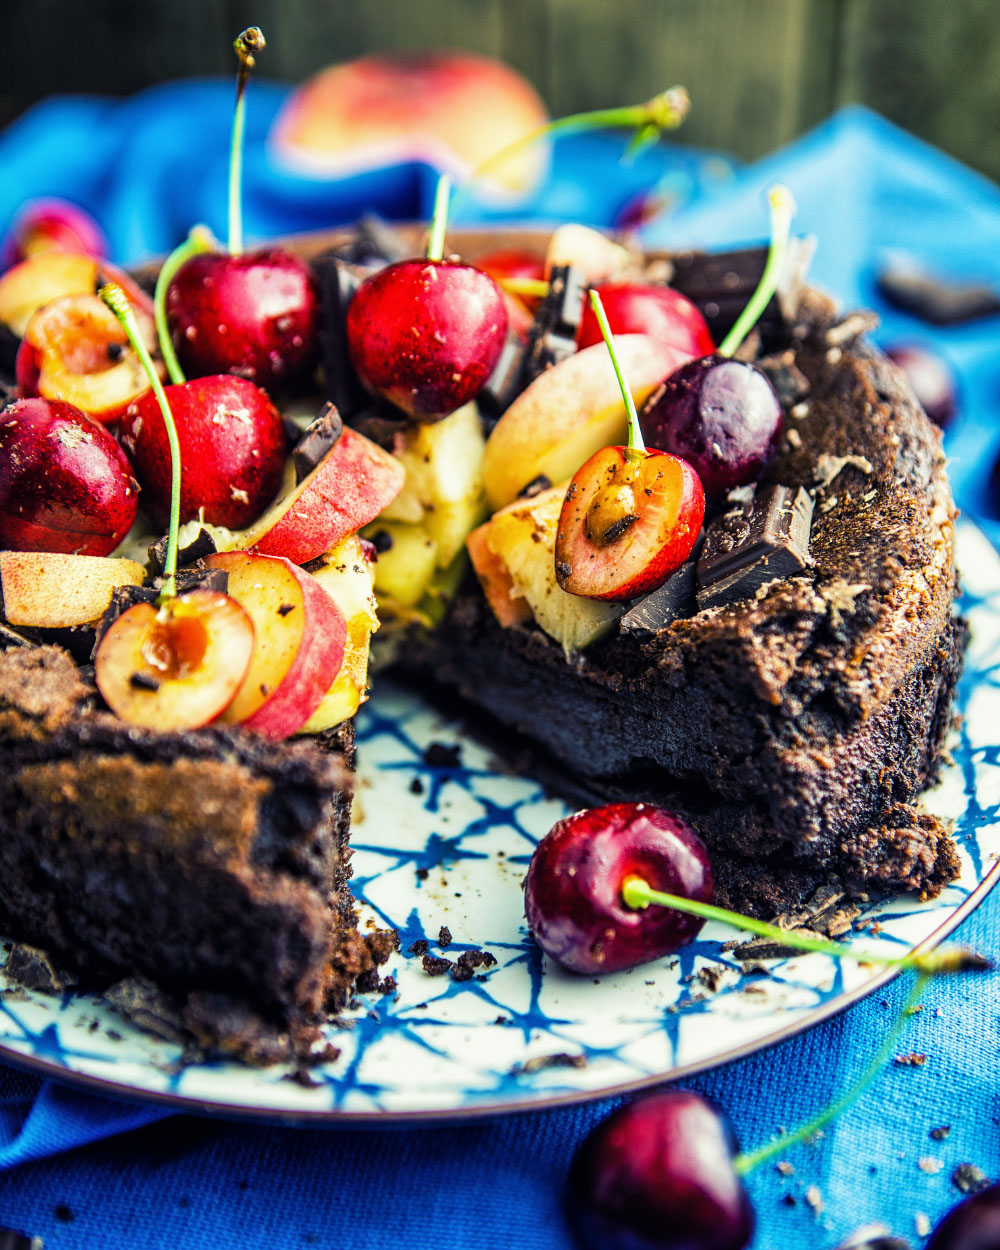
(319, 439)
(673, 601)
(939, 300)
(202, 545)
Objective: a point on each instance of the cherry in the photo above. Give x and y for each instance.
(573, 890)
(973, 1225)
(65, 484)
(658, 1174)
(931, 379)
(232, 444)
(426, 334)
(658, 311)
(721, 415)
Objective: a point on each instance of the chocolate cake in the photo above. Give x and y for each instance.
(211, 862)
(789, 691)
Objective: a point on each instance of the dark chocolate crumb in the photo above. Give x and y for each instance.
(435, 967)
(536, 486)
(941, 1132)
(382, 541)
(387, 985)
(63, 1214)
(417, 787)
(969, 1179)
(440, 755)
(423, 874)
(143, 681)
(502, 1020)
(420, 947)
(285, 608)
(790, 1200)
(461, 972)
(301, 1077)
(559, 1060)
(914, 1059)
(444, 937)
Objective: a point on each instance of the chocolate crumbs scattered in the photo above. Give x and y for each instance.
(420, 947)
(434, 966)
(969, 1179)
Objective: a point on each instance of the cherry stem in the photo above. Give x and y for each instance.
(636, 447)
(199, 240)
(439, 219)
(782, 211)
(744, 1163)
(663, 112)
(638, 894)
(117, 301)
(246, 44)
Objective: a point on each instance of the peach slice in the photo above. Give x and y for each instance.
(48, 276)
(299, 648)
(569, 412)
(599, 257)
(51, 590)
(349, 487)
(177, 666)
(74, 350)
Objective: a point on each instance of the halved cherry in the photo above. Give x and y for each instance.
(177, 666)
(630, 518)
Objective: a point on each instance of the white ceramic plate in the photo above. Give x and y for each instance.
(522, 1034)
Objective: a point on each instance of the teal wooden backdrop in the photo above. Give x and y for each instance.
(759, 71)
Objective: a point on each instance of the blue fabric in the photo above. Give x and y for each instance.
(69, 1169)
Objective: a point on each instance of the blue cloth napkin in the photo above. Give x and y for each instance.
(67, 1172)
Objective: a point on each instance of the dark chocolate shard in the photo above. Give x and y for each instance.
(202, 545)
(9, 343)
(721, 284)
(382, 422)
(321, 437)
(932, 297)
(147, 1006)
(337, 284)
(501, 389)
(374, 243)
(755, 544)
(674, 600)
(33, 968)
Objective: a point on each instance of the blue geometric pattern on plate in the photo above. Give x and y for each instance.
(522, 1033)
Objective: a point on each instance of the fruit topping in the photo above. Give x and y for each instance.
(48, 225)
(65, 485)
(658, 311)
(53, 590)
(50, 275)
(232, 445)
(591, 252)
(74, 349)
(175, 666)
(756, 543)
(930, 377)
(973, 1225)
(630, 516)
(573, 891)
(659, 1174)
(426, 334)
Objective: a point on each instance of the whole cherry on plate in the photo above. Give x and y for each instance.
(573, 890)
(65, 484)
(662, 313)
(630, 518)
(931, 378)
(232, 450)
(254, 314)
(973, 1225)
(51, 224)
(721, 414)
(658, 1174)
(426, 333)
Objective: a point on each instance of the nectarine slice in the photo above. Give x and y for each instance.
(51, 590)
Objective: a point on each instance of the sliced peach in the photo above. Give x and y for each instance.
(349, 487)
(177, 666)
(569, 412)
(75, 350)
(300, 639)
(49, 275)
(599, 257)
(52, 590)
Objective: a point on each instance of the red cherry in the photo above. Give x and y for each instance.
(658, 1174)
(931, 379)
(973, 1225)
(629, 520)
(255, 315)
(573, 890)
(659, 311)
(426, 334)
(65, 485)
(232, 445)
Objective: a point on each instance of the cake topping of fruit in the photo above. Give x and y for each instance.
(630, 516)
(253, 314)
(426, 334)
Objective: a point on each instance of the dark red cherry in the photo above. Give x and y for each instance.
(65, 484)
(662, 313)
(658, 1174)
(572, 893)
(426, 334)
(973, 1225)
(931, 379)
(255, 315)
(720, 415)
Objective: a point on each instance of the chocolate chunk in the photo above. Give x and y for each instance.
(672, 601)
(321, 437)
(502, 387)
(197, 577)
(435, 967)
(13, 1240)
(202, 545)
(444, 937)
(374, 243)
(9, 343)
(789, 382)
(122, 598)
(337, 284)
(750, 546)
(34, 969)
(535, 487)
(148, 1007)
(143, 681)
(939, 300)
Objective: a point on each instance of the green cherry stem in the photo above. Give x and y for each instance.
(744, 1163)
(636, 447)
(199, 240)
(439, 219)
(782, 211)
(638, 894)
(247, 44)
(663, 112)
(116, 300)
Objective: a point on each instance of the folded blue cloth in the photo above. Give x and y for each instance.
(862, 186)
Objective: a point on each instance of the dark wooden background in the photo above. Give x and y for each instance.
(759, 71)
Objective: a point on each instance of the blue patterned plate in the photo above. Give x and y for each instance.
(442, 840)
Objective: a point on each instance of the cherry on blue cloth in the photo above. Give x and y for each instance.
(84, 1172)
